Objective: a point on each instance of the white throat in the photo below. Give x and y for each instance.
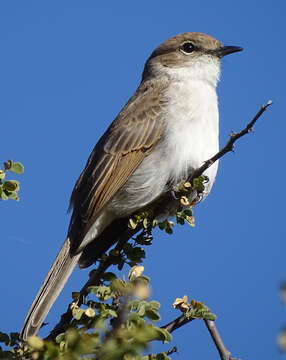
(205, 68)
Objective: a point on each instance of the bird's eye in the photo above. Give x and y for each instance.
(187, 47)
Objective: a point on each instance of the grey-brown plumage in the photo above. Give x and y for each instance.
(140, 155)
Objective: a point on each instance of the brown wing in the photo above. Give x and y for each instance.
(119, 152)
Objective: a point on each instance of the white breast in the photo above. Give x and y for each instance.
(192, 134)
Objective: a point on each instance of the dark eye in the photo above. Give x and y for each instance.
(187, 47)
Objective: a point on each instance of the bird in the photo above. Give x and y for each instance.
(166, 130)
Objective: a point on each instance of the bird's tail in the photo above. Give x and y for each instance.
(50, 290)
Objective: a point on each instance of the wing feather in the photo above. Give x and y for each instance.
(128, 140)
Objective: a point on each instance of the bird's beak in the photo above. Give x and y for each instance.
(226, 50)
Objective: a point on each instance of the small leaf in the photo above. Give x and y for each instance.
(162, 356)
(8, 164)
(17, 168)
(146, 223)
(4, 196)
(2, 175)
(188, 212)
(169, 230)
(164, 335)
(210, 316)
(13, 196)
(142, 291)
(134, 272)
(141, 308)
(77, 313)
(35, 342)
(154, 304)
(92, 289)
(90, 312)
(152, 315)
(132, 224)
(11, 185)
(60, 338)
(103, 293)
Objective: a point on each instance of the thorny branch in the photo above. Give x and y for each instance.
(181, 320)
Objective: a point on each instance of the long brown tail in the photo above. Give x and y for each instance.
(50, 290)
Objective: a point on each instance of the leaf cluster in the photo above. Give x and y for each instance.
(9, 188)
(114, 322)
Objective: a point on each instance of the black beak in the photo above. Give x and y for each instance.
(226, 50)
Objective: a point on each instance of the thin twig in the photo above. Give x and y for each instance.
(223, 352)
(172, 350)
(177, 323)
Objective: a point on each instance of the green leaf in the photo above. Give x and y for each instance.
(163, 335)
(144, 279)
(4, 196)
(60, 338)
(188, 212)
(132, 224)
(36, 343)
(154, 304)
(13, 195)
(8, 164)
(77, 313)
(133, 317)
(169, 230)
(162, 356)
(141, 308)
(152, 315)
(92, 289)
(17, 168)
(112, 313)
(11, 185)
(210, 316)
(146, 223)
(2, 175)
(118, 285)
(103, 293)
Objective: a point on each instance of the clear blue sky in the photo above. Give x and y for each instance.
(66, 70)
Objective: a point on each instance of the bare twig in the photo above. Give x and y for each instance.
(177, 323)
(183, 320)
(172, 350)
(223, 352)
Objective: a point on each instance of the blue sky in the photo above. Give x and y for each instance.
(66, 70)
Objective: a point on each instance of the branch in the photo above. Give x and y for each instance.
(177, 323)
(223, 352)
(183, 320)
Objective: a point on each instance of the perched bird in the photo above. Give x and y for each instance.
(168, 128)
